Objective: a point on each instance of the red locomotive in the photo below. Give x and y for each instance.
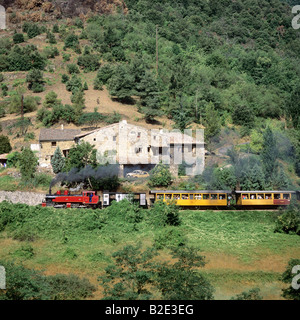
(63, 199)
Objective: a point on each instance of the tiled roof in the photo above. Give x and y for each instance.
(58, 134)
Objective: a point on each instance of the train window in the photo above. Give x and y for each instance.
(253, 196)
(185, 197)
(260, 196)
(168, 196)
(205, 196)
(191, 197)
(214, 197)
(222, 196)
(268, 196)
(160, 197)
(198, 196)
(176, 196)
(277, 196)
(286, 196)
(245, 197)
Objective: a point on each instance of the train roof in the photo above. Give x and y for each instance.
(267, 191)
(190, 191)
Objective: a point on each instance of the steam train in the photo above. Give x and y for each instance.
(198, 199)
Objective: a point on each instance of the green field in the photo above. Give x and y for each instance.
(241, 249)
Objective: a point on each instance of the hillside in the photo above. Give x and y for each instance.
(229, 67)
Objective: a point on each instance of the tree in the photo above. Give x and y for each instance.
(121, 84)
(160, 176)
(180, 280)
(131, 276)
(18, 38)
(57, 161)
(28, 163)
(212, 122)
(51, 100)
(269, 155)
(287, 277)
(80, 156)
(5, 146)
(35, 80)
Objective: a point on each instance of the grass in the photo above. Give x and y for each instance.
(241, 248)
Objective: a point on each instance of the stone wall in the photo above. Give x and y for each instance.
(30, 198)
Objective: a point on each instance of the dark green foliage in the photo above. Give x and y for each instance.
(59, 112)
(28, 163)
(18, 38)
(51, 100)
(55, 28)
(252, 294)
(269, 154)
(51, 38)
(289, 221)
(92, 119)
(180, 280)
(21, 59)
(72, 68)
(212, 122)
(71, 41)
(13, 159)
(131, 275)
(26, 284)
(35, 80)
(114, 118)
(288, 276)
(160, 176)
(32, 30)
(57, 161)
(163, 214)
(5, 146)
(74, 84)
(121, 84)
(65, 78)
(51, 52)
(80, 156)
(89, 62)
(105, 72)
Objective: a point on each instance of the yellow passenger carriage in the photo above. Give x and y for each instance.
(198, 198)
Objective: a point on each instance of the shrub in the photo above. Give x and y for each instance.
(35, 80)
(18, 38)
(71, 41)
(163, 214)
(65, 78)
(289, 221)
(89, 62)
(252, 294)
(25, 252)
(5, 146)
(51, 52)
(160, 176)
(72, 68)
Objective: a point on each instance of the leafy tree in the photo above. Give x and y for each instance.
(212, 122)
(80, 156)
(57, 161)
(74, 84)
(289, 221)
(71, 41)
(33, 30)
(163, 214)
(160, 176)
(131, 275)
(269, 155)
(121, 84)
(28, 163)
(55, 28)
(5, 146)
(51, 100)
(104, 73)
(35, 80)
(180, 280)
(89, 62)
(72, 68)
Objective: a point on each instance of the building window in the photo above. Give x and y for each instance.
(139, 135)
(114, 138)
(95, 139)
(53, 143)
(138, 150)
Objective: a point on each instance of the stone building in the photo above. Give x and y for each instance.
(134, 147)
(50, 139)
